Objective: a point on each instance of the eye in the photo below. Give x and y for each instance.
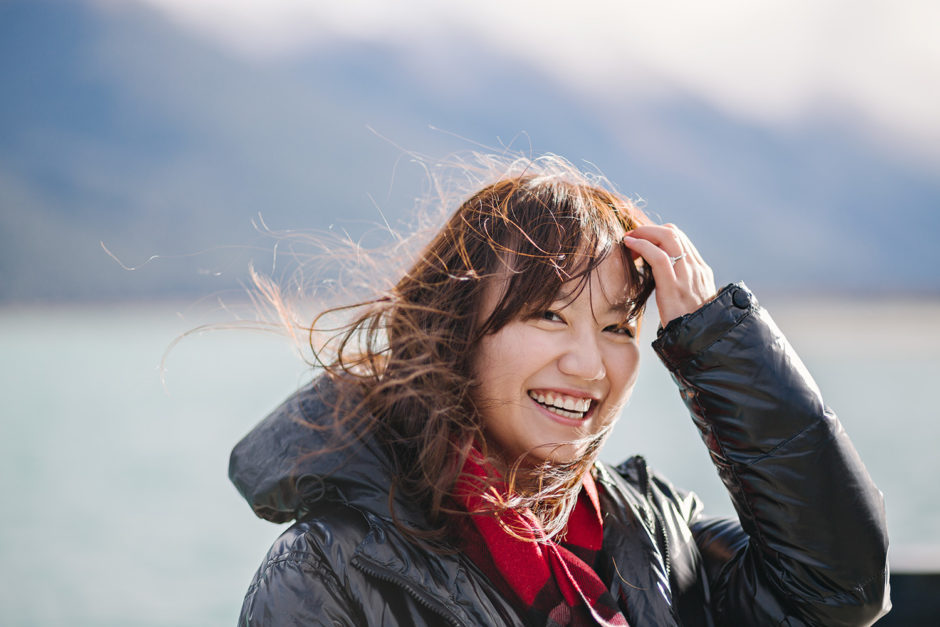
(550, 316)
(621, 329)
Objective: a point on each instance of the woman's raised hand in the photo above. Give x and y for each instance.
(684, 282)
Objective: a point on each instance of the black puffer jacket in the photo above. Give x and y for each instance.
(809, 546)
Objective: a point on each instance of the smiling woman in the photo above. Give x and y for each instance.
(444, 467)
(549, 383)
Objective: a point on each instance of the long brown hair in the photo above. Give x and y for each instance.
(408, 351)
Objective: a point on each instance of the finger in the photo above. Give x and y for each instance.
(685, 244)
(675, 241)
(694, 269)
(656, 233)
(683, 264)
(657, 258)
(682, 255)
(689, 247)
(665, 236)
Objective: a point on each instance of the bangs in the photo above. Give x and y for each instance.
(548, 240)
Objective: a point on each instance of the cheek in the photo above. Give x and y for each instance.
(623, 371)
(506, 362)
(491, 366)
(509, 350)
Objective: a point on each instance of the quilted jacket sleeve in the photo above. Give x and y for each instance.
(811, 544)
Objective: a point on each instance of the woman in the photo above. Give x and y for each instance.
(443, 469)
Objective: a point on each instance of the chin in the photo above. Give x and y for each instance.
(559, 453)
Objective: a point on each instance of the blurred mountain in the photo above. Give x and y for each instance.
(117, 126)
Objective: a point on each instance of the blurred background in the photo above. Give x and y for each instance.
(151, 150)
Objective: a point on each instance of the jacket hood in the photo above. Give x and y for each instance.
(294, 458)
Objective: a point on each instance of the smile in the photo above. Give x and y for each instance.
(562, 405)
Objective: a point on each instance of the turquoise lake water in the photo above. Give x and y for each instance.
(118, 511)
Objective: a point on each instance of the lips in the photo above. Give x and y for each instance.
(564, 405)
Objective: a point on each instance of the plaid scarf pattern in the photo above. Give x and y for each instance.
(553, 583)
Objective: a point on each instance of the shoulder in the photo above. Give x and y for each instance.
(322, 538)
(651, 488)
(676, 511)
(305, 574)
(341, 566)
(670, 513)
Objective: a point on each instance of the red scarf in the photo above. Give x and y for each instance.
(553, 584)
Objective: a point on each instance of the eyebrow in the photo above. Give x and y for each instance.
(623, 305)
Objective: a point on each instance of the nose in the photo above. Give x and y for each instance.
(582, 359)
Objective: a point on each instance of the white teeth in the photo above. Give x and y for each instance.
(568, 407)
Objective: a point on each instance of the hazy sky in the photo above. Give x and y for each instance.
(772, 62)
(163, 127)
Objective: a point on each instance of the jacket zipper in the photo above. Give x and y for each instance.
(418, 595)
(660, 531)
(658, 527)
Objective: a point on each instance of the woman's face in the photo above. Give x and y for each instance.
(560, 376)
